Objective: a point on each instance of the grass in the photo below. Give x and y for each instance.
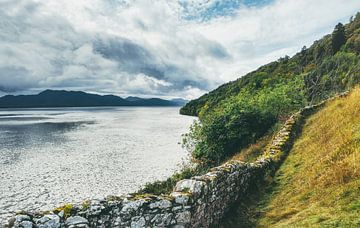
(319, 183)
(252, 152)
(166, 186)
(67, 208)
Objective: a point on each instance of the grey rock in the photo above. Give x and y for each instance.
(61, 214)
(26, 224)
(95, 209)
(49, 221)
(76, 221)
(20, 218)
(132, 206)
(161, 204)
(176, 209)
(193, 186)
(183, 217)
(180, 198)
(138, 222)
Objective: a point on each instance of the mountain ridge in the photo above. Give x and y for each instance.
(63, 98)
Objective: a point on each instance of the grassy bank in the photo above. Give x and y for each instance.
(318, 184)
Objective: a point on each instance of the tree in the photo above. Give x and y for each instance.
(338, 37)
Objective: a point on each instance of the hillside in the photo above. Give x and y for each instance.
(330, 65)
(62, 98)
(318, 183)
(239, 113)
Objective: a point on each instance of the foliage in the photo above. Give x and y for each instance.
(238, 113)
(338, 37)
(241, 120)
(67, 209)
(166, 186)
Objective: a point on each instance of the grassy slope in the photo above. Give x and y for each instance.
(319, 182)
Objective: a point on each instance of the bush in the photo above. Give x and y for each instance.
(240, 121)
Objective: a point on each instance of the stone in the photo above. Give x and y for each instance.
(183, 217)
(162, 220)
(95, 209)
(76, 221)
(49, 221)
(176, 209)
(192, 186)
(167, 219)
(180, 198)
(20, 218)
(178, 226)
(138, 222)
(161, 204)
(132, 206)
(61, 214)
(26, 224)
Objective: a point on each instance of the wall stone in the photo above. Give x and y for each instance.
(196, 202)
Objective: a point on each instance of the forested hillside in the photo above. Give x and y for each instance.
(240, 112)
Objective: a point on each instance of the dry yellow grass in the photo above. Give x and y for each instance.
(253, 151)
(319, 183)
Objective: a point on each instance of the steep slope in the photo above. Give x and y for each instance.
(319, 182)
(318, 185)
(330, 65)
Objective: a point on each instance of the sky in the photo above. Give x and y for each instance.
(158, 48)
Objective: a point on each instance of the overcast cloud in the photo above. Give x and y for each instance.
(172, 48)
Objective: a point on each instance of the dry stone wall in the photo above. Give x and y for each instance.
(196, 202)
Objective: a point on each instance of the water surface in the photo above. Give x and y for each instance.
(49, 157)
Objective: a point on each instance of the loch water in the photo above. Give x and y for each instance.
(53, 156)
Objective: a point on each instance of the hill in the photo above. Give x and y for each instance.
(330, 65)
(238, 113)
(62, 98)
(318, 183)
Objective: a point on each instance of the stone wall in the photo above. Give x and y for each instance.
(196, 202)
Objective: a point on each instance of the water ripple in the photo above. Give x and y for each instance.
(69, 155)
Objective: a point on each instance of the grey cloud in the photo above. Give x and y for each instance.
(131, 57)
(14, 78)
(217, 51)
(134, 59)
(46, 51)
(144, 47)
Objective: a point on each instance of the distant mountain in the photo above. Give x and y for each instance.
(180, 101)
(62, 98)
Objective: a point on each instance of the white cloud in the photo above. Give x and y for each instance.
(147, 47)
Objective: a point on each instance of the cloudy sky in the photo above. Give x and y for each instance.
(164, 48)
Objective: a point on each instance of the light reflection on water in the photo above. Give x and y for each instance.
(54, 156)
